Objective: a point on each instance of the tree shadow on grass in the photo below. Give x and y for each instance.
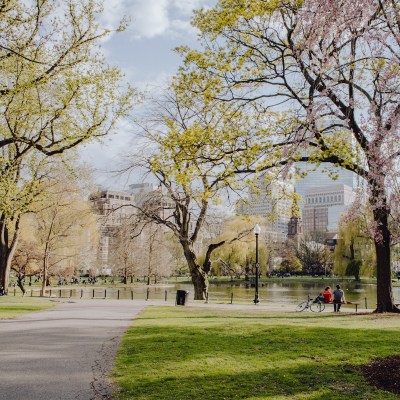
(249, 362)
(306, 381)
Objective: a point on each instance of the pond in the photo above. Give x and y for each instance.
(285, 291)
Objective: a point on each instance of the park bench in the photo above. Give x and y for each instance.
(348, 302)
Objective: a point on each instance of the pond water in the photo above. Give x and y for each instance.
(284, 291)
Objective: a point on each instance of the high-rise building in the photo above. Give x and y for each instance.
(113, 207)
(270, 200)
(116, 207)
(319, 179)
(313, 176)
(323, 207)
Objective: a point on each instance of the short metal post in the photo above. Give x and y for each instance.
(132, 294)
(366, 304)
(81, 293)
(70, 293)
(118, 295)
(147, 296)
(232, 298)
(166, 295)
(60, 293)
(105, 293)
(93, 294)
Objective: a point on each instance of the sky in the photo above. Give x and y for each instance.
(144, 52)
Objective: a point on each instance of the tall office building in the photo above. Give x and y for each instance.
(323, 207)
(113, 207)
(317, 182)
(271, 201)
(318, 176)
(116, 207)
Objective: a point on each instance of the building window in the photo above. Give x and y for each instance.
(110, 196)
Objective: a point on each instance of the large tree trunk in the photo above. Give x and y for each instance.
(199, 276)
(7, 250)
(385, 301)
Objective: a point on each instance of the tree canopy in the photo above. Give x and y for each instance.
(56, 92)
(328, 73)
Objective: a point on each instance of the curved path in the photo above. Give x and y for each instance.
(63, 353)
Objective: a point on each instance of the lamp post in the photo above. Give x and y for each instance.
(257, 231)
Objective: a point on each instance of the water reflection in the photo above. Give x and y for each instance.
(285, 291)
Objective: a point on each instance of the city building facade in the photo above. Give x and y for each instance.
(271, 201)
(323, 207)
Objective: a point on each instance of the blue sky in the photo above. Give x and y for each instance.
(144, 52)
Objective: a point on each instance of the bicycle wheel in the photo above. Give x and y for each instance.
(317, 307)
(302, 306)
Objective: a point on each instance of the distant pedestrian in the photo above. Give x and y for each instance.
(338, 298)
(327, 295)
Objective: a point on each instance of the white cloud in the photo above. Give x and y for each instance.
(185, 7)
(114, 10)
(151, 18)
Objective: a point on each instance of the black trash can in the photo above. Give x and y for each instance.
(181, 297)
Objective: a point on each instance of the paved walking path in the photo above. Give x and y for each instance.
(66, 353)
(63, 353)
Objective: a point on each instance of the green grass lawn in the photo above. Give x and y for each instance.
(203, 353)
(12, 307)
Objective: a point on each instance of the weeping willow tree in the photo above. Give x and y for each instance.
(354, 252)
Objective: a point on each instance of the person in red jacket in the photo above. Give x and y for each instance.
(327, 295)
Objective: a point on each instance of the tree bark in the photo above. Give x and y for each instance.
(20, 283)
(198, 275)
(7, 251)
(45, 274)
(385, 300)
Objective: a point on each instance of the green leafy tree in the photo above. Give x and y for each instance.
(232, 259)
(354, 268)
(353, 244)
(291, 264)
(56, 92)
(326, 75)
(186, 135)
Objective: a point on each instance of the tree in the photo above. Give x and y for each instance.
(354, 268)
(331, 71)
(179, 266)
(291, 264)
(355, 244)
(62, 222)
(25, 262)
(315, 257)
(187, 133)
(125, 252)
(232, 259)
(56, 93)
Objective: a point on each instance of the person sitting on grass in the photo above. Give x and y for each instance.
(327, 294)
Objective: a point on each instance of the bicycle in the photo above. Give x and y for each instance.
(315, 305)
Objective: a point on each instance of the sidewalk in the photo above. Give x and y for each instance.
(63, 353)
(67, 352)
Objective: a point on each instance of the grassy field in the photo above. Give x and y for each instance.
(12, 307)
(173, 353)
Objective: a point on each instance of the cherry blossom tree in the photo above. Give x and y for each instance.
(329, 74)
